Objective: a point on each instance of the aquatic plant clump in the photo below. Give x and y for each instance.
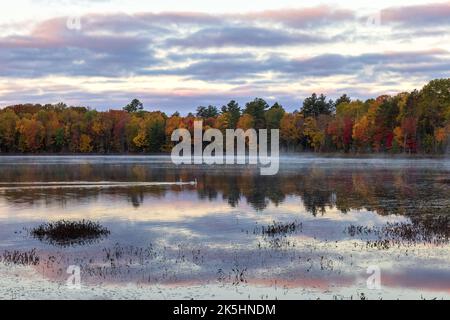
(70, 232)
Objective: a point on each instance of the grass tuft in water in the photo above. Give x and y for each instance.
(280, 228)
(65, 232)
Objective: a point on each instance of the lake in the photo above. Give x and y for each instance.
(333, 228)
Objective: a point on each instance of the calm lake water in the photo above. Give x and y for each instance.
(312, 231)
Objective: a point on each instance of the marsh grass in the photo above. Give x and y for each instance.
(16, 257)
(435, 231)
(280, 229)
(66, 233)
(276, 234)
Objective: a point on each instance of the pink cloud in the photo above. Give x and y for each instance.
(305, 17)
(417, 15)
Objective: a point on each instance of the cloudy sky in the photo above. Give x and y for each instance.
(177, 55)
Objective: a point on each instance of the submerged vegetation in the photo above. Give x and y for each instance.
(70, 232)
(409, 122)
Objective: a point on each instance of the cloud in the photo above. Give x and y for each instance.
(118, 45)
(311, 17)
(332, 64)
(230, 67)
(53, 49)
(181, 18)
(280, 54)
(306, 17)
(241, 36)
(434, 14)
(244, 74)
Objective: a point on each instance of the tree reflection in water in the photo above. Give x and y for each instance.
(404, 191)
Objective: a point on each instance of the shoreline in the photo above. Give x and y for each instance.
(287, 154)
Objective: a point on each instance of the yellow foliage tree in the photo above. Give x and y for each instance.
(291, 126)
(315, 136)
(246, 122)
(32, 134)
(140, 140)
(222, 121)
(8, 129)
(85, 143)
(361, 134)
(398, 136)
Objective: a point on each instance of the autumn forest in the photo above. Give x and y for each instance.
(409, 122)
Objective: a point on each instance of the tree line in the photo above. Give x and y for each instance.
(409, 122)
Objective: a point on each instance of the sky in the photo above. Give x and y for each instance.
(176, 55)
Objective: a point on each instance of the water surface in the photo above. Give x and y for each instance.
(194, 228)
